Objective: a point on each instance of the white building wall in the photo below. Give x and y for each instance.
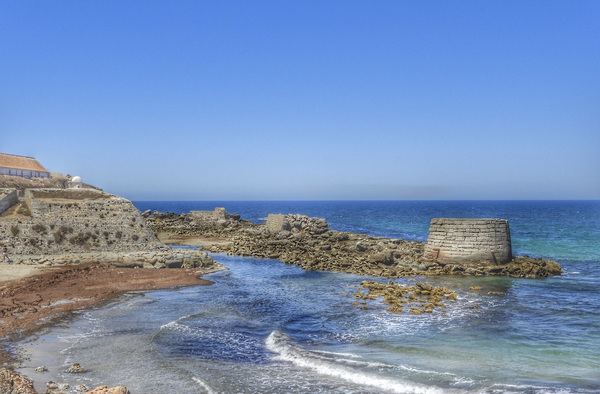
(23, 173)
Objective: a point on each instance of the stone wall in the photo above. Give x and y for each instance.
(75, 221)
(8, 198)
(218, 217)
(469, 241)
(296, 224)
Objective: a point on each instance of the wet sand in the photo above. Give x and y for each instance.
(31, 297)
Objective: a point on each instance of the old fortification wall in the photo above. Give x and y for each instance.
(75, 221)
(8, 198)
(469, 241)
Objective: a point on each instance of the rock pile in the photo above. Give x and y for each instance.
(150, 259)
(420, 298)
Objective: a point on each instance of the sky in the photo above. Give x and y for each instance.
(307, 99)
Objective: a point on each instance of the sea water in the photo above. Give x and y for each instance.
(268, 327)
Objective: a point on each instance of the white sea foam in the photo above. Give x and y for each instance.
(176, 324)
(338, 354)
(204, 385)
(283, 346)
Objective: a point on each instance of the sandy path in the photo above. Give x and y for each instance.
(18, 271)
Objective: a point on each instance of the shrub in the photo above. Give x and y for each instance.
(40, 228)
(61, 233)
(59, 236)
(135, 237)
(14, 230)
(24, 210)
(79, 239)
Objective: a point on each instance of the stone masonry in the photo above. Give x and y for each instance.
(74, 221)
(8, 198)
(72, 226)
(296, 224)
(465, 241)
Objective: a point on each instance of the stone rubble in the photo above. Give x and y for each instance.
(420, 298)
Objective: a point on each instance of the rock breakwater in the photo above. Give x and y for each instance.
(308, 243)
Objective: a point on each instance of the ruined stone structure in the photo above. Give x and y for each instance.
(71, 226)
(468, 241)
(219, 217)
(308, 243)
(60, 221)
(296, 224)
(8, 198)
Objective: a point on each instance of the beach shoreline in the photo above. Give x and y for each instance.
(32, 298)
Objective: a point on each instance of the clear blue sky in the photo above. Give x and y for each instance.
(294, 100)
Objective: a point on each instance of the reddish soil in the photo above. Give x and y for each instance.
(29, 303)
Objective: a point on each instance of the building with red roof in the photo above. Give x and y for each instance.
(27, 167)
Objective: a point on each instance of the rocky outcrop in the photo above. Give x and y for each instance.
(76, 368)
(20, 183)
(171, 258)
(296, 224)
(419, 298)
(311, 247)
(12, 382)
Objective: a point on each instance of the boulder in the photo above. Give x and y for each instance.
(76, 368)
(13, 382)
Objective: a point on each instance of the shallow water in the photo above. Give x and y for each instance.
(266, 327)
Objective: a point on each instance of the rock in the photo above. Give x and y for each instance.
(174, 263)
(41, 369)
(57, 388)
(381, 258)
(12, 382)
(82, 388)
(106, 390)
(76, 368)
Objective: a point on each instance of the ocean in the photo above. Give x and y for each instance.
(268, 327)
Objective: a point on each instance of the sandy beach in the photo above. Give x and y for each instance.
(31, 297)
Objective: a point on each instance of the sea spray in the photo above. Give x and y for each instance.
(286, 350)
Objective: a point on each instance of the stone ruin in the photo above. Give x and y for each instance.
(468, 241)
(296, 224)
(218, 217)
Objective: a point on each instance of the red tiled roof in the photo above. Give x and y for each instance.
(20, 163)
